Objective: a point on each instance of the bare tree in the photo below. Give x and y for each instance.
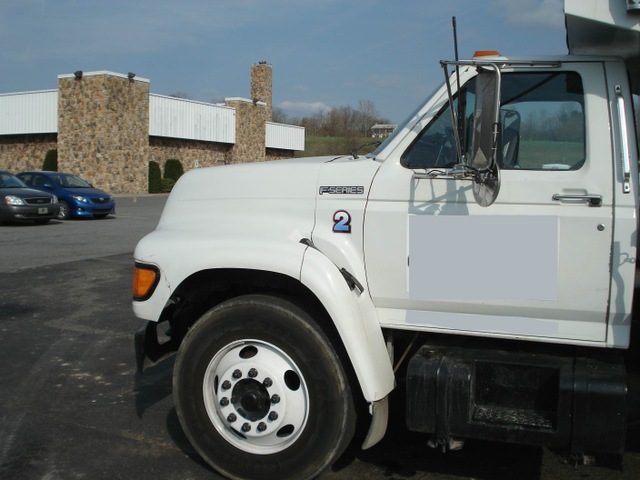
(343, 121)
(367, 116)
(278, 115)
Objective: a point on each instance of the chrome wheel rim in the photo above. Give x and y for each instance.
(256, 397)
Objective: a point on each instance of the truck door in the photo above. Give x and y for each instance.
(536, 263)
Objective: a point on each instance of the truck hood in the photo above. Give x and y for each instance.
(234, 191)
(267, 199)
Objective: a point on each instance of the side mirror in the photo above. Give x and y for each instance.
(480, 165)
(486, 138)
(48, 185)
(486, 121)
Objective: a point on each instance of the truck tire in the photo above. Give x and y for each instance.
(261, 393)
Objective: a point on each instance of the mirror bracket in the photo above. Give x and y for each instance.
(459, 171)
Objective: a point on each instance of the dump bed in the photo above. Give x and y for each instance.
(606, 27)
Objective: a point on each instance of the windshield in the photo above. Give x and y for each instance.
(67, 180)
(401, 127)
(7, 180)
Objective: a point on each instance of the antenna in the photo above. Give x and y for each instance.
(455, 37)
(455, 51)
(460, 113)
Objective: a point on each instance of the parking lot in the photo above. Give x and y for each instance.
(73, 407)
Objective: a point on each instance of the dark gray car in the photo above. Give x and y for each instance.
(19, 203)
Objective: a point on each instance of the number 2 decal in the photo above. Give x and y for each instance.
(341, 222)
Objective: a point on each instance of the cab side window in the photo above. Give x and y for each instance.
(542, 125)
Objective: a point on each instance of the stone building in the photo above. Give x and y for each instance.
(108, 126)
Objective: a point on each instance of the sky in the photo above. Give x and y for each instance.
(324, 53)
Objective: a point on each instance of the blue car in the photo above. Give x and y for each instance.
(77, 198)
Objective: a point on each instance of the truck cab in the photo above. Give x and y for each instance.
(482, 258)
(447, 252)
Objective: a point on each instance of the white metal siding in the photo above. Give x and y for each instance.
(180, 118)
(286, 137)
(29, 112)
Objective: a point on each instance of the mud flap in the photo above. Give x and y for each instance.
(149, 350)
(379, 421)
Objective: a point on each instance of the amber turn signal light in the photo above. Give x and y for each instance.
(145, 279)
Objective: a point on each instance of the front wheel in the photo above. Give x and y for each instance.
(261, 393)
(64, 213)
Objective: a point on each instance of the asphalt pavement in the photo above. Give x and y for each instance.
(72, 405)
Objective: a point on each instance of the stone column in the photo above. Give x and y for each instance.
(251, 118)
(261, 85)
(103, 130)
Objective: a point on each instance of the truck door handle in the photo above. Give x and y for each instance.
(594, 200)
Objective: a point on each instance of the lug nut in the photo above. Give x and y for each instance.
(224, 401)
(273, 416)
(226, 385)
(237, 374)
(232, 418)
(262, 427)
(253, 373)
(267, 382)
(275, 399)
(246, 427)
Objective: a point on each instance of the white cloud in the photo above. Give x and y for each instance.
(303, 108)
(532, 13)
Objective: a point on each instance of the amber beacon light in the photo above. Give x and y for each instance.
(486, 53)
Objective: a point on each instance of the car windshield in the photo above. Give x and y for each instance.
(66, 180)
(7, 180)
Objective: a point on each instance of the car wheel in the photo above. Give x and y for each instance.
(64, 213)
(261, 393)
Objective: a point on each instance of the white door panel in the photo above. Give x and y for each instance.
(527, 266)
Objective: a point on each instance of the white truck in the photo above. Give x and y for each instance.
(482, 258)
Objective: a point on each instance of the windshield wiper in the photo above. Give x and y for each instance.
(353, 152)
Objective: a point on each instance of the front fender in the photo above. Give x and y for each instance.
(353, 314)
(356, 321)
(198, 254)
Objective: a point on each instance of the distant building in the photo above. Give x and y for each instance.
(107, 126)
(383, 130)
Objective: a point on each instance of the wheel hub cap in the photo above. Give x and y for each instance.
(254, 400)
(256, 396)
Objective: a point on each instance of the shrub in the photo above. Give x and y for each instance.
(173, 169)
(50, 163)
(155, 177)
(166, 185)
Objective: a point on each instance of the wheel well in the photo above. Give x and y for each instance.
(205, 289)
